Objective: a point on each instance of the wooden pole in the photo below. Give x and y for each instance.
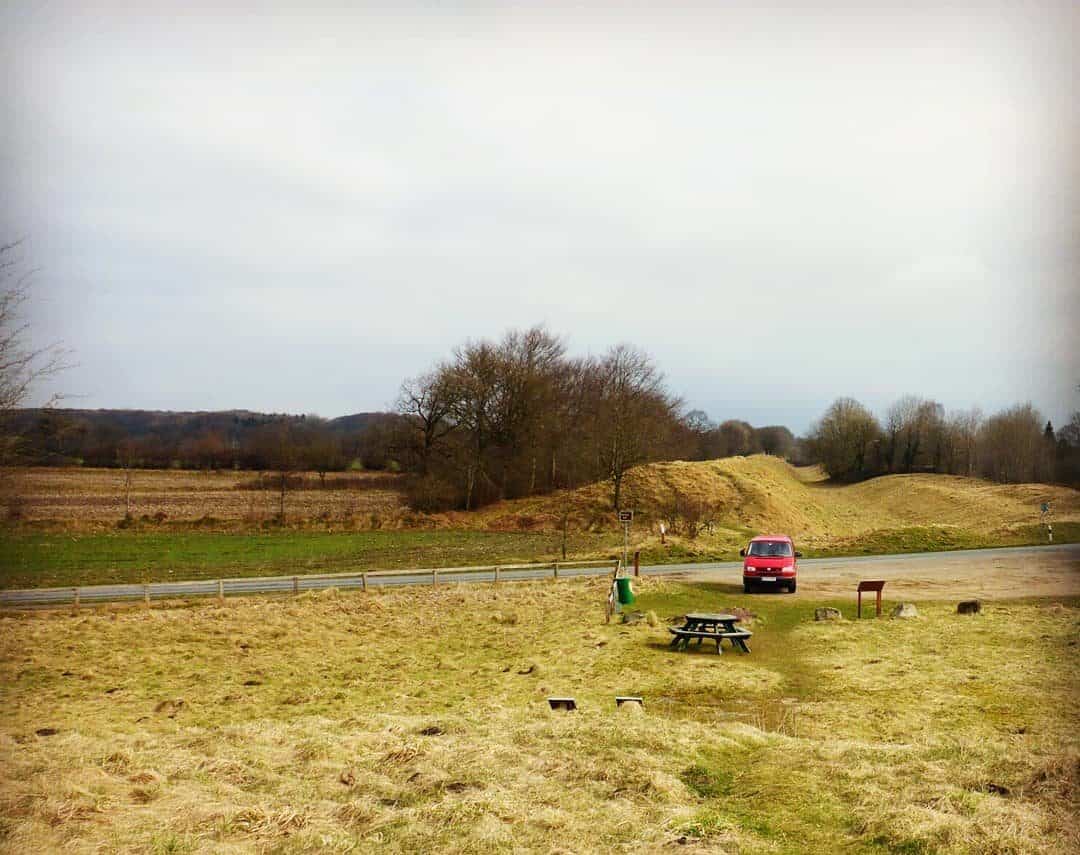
(363, 581)
(637, 562)
(555, 567)
(496, 575)
(146, 595)
(76, 597)
(859, 613)
(221, 590)
(879, 602)
(295, 585)
(434, 578)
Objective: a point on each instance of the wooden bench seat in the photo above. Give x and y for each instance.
(739, 633)
(737, 638)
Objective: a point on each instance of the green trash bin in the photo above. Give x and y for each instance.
(626, 596)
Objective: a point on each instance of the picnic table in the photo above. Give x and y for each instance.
(716, 627)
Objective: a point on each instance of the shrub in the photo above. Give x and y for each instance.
(429, 494)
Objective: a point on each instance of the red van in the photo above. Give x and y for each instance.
(770, 559)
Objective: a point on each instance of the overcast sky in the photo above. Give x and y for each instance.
(292, 211)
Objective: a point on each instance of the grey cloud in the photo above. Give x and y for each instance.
(296, 209)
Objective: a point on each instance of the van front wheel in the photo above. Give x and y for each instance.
(745, 587)
(791, 587)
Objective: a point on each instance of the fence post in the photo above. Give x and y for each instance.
(221, 590)
(295, 585)
(555, 567)
(363, 581)
(434, 578)
(76, 597)
(496, 574)
(146, 595)
(637, 562)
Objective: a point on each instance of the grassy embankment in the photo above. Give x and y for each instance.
(328, 723)
(745, 496)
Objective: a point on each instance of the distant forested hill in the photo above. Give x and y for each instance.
(210, 439)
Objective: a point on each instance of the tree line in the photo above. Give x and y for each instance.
(496, 419)
(213, 440)
(519, 416)
(1015, 445)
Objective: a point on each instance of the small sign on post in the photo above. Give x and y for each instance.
(626, 517)
(870, 585)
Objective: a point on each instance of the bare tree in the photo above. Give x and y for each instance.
(323, 454)
(963, 427)
(845, 440)
(22, 366)
(776, 440)
(426, 404)
(1067, 453)
(1011, 445)
(914, 435)
(634, 413)
(126, 458)
(738, 438)
(473, 383)
(276, 446)
(530, 362)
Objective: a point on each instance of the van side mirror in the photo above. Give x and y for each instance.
(742, 553)
(798, 555)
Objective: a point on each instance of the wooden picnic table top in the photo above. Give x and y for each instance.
(705, 617)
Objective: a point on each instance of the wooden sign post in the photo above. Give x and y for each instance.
(871, 585)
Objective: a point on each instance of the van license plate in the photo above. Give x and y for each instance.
(768, 578)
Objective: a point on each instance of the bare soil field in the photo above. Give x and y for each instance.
(96, 497)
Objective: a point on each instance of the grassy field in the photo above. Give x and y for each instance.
(330, 723)
(51, 559)
(73, 532)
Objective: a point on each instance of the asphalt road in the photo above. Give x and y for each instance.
(1014, 571)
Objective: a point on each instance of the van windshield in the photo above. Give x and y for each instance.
(770, 549)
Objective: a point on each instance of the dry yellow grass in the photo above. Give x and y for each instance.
(765, 494)
(743, 494)
(415, 721)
